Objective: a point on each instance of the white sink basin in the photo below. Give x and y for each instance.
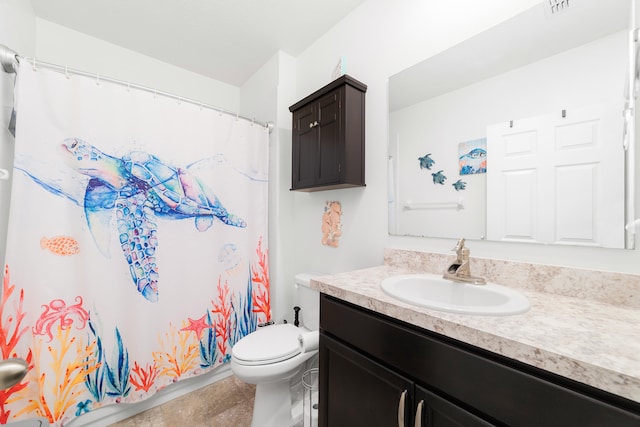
(431, 291)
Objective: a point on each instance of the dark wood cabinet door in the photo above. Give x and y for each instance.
(435, 411)
(331, 141)
(306, 147)
(318, 144)
(358, 392)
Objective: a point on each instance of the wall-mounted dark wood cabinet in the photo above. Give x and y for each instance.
(328, 137)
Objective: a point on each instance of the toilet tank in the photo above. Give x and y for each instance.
(308, 300)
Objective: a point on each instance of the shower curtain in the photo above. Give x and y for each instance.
(136, 247)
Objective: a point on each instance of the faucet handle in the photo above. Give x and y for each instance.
(458, 249)
(459, 246)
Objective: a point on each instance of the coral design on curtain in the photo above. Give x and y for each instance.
(137, 244)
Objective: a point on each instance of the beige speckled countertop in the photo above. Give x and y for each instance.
(588, 340)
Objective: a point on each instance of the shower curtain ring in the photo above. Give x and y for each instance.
(66, 72)
(98, 79)
(34, 64)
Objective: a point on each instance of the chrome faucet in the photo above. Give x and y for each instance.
(460, 271)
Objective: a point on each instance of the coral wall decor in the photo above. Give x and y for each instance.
(331, 226)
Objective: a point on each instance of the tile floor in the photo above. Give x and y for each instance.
(226, 403)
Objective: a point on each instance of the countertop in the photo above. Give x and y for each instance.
(590, 341)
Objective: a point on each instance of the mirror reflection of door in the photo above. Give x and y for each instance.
(557, 178)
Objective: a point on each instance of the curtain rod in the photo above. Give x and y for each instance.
(10, 60)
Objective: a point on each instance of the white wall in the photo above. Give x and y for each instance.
(62, 46)
(280, 198)
(17, 26)
(379, 39)
(264, 95)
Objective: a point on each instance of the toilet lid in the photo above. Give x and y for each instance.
(269, 344)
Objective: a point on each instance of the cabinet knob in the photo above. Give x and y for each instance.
(314, 124)
(418, 422)
(403, 397)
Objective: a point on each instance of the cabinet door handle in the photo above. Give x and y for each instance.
(403, 396)
(418, 422)
(314, 124)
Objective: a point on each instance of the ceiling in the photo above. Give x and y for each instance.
(227, 40)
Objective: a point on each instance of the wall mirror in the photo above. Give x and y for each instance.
(518, 134)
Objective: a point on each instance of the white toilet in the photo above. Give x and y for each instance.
(272, 355)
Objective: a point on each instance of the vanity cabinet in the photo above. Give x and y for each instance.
(360, 391)
(328, 137)
(380, 396)
(368, 362)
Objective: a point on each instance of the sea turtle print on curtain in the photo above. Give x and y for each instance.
(137, 245)
(137, 187)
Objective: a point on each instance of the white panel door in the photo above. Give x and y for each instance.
(587, 165)
(513, 180)
(557, 179)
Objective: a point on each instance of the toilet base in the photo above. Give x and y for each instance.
(272, 405)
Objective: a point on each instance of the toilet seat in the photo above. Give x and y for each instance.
(267, 345)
